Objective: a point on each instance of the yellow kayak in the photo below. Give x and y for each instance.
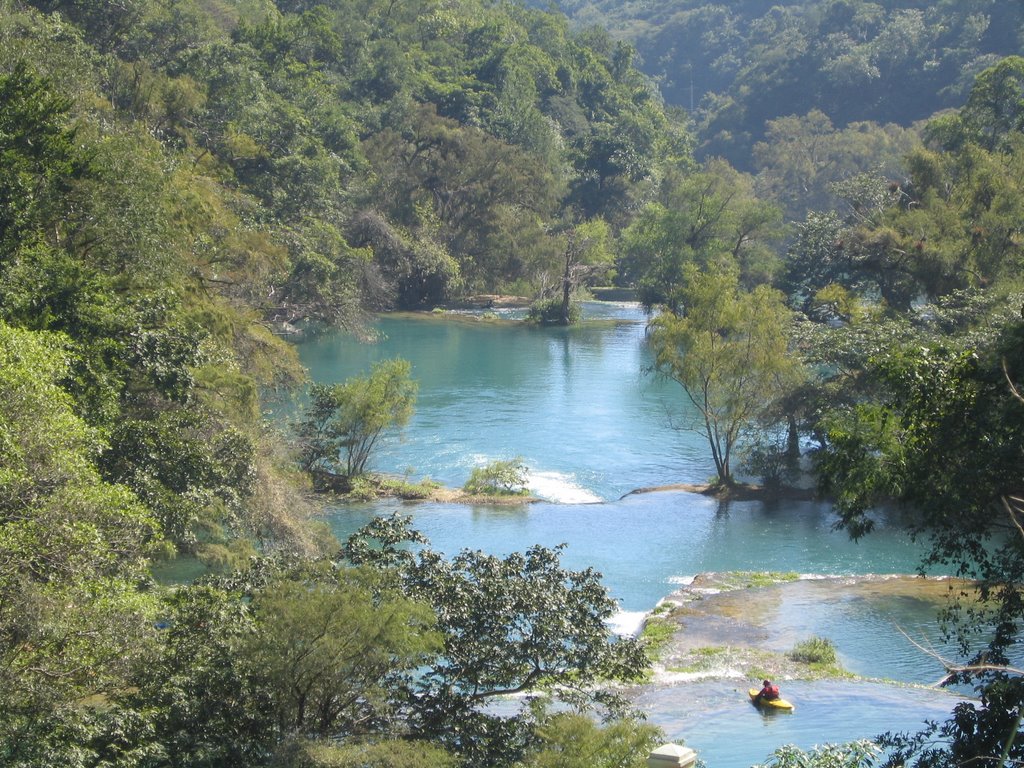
(780, 704)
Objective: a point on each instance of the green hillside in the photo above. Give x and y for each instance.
(741, 64)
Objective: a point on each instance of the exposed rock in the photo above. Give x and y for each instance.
(725, 624)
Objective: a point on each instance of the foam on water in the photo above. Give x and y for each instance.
(664, 677)
(683, 581)
(560, 488)
(627, 623)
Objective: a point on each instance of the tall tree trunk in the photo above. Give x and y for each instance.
(792, 439)
(567, 281)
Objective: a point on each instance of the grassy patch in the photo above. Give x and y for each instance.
(751, 579)
(759, 673)
(656, 635)
(816, 650)
(370, 487)
(819, 654)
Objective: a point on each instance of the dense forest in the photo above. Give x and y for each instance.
(737, 66)
(828, 232)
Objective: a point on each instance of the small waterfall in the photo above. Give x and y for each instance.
(627, 623)
(560, 488)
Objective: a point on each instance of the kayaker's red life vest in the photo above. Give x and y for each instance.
(770, 692)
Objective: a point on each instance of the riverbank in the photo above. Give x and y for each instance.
(487, 301)
(374, 487)
(377, 487)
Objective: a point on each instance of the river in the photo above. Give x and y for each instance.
(581, 409)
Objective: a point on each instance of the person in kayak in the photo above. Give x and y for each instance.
(768, 692)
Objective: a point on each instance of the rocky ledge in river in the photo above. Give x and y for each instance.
(745, 625)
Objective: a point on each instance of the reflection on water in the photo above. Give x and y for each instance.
(573, 401)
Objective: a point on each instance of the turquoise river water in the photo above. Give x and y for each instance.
(591, 423)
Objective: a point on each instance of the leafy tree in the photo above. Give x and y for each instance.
(995, 108)
(465, 189)
(323, 281)
(189, 469)
(770, 454)
(728, 351)
(73, 549)
(950, 227)
(855, 754)
(794, 152)
(202, 702)
(108, 26)
(248, 665)
(801, 157)
(407, 271)
(587, 254)
(550, 622)
(516, 624)
(959, 219)
(333, 654)
(842, 356)
(376, 754)
(349, 419)
(610, 159)
(816, 258)
(942, 437)
(568, 740)
(700, 219)
(37, 152)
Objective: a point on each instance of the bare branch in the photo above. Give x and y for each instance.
(955, 669)
(1013, 387)
(1014, 508)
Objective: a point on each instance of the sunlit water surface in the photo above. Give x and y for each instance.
(591, 423)
(717, 719)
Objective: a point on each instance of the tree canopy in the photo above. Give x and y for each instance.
(728, 350)
(514, 624)
(739, 67)
(345, 422)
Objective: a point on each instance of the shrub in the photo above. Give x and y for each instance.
(503, 478)
(370, 487)
(854, 754)
(816, 650)
(549, 312)
(302, 753)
